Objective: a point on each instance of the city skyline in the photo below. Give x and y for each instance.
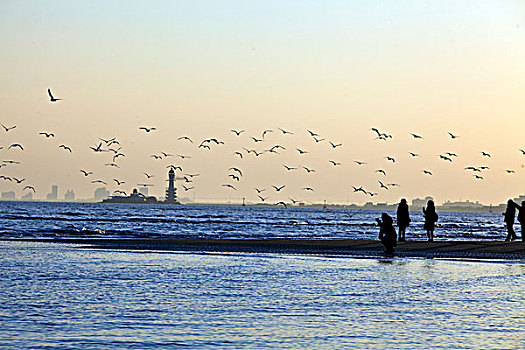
(194, 70)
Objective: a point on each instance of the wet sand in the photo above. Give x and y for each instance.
(361, 248)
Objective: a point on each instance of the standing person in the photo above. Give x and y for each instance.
(521, 218)
(403, 219)
(431, 217)
(509, 214)
(387, 233)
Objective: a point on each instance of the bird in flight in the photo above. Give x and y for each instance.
(308, 189)
(452, 136)
(66, 148)
(285, 131)
(259, 191)
(381, 185)
(445, 158)
(148, 175)
(185, 138)
(485, 154)
(238, 154)
(238, 133)
(86, 173)
(46, 134)
(120, 192)
(112, 164)
(334, 163)
(229, 186)
(98, 182)
(416, 136)
(51, 98)
(334, 145)
(147, 129)
(313, 134)
(119, 182)
(427, 172)
(301, 151)
(509, 171)
(359, 163)
(7, 178)
(256, 139)
(98, 148)
(413, 154)
(234, 177)
(450, 154)
(236, 169)
(8, 129)
(317, 140)
(187, 188)
(278, 189)
(381, 171)
(16, 145)
(18, 181)
(308, 170)
(289, 168)
(478, 177)
(390, 159)
(263, 198)
(166, 155)
(265, 132)
(522, 151)
(29, 188)
(283, 204)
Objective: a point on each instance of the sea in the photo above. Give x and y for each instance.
(73, 296)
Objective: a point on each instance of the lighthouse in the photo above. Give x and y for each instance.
(171, 191)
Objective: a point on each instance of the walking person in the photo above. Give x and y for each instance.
(403, 219)
(431, 217)
(387, 233)
(509, 214)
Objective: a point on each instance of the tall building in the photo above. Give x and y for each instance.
(144, 191)
(53, 196)
(69, 195)
(27, 197)
(101, 193)
(171, 191)
(8, 195)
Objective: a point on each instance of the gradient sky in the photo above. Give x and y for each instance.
(201, 68)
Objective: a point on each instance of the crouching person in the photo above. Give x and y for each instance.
(387, 233)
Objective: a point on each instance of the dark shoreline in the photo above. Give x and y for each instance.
(339, 247)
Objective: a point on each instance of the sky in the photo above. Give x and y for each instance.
(337, 68)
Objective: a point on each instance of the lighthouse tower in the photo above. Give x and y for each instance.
(171, 191)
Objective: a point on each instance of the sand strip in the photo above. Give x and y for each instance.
(344, 247)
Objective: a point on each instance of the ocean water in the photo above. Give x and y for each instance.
(23, 219)
(63, 296)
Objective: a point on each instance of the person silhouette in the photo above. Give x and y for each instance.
(509, 214)
(403, 219)
(431, 217)
(387, 233)
(521, 218)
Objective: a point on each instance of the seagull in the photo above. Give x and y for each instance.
(394, 185)
(8, 129)
(147, 129)
(185, 138)
(10, 162)
(256, 139)
(265, 132)
(313, 134)
(65, 148)
(107, 141)
(473, 168)
(145, 185)
(485, 154)
(381, 171)
(478, 177)
(183, 156)
(187, 188)
(372, 194)
(278, 189)
(48, 135)
(230, 186)
(308, 170)
(445, 158)
(376, 131)
(86, 173)
(289, 168)
(317, 140)
(452, 136)
(263, 198)
(259, 191)
(98, 148)
(285, 131)
(51, 98)
(334, 162)
(238, 154)
(522, 151)
(236, 169)
(293, 200)
(156, 156)
(120, 192)
(390, 158)
(148, 175)
(166, 155)
(282, 203)
(509, 171)
(414, 154)
(451, 154)
(171, 166)
(308, 189)
(7, 178)
(18, 181)
(301, 151)
(16, 145)
(29, 188)
(191, 175)
(359, 189)
(238, 133)
(118, 155)
(483, 167)
(98, 181)
(119, 182)
(235, 177)
(359, 163)
(416, 136)
(427, 172)
(204, 146)
(382, 185)
(112, 164)
(334, 145)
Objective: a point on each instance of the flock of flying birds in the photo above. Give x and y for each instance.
(114, 148)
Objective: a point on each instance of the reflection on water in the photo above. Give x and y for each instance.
(61, 296)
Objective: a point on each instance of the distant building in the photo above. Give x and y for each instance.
(69, 196)
(8, 195)
(27, 197)
(53, 195)
(418, 202)
(101, 193)
(171, 191)
(143, 191)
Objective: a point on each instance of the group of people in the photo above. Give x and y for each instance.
(389, 238)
